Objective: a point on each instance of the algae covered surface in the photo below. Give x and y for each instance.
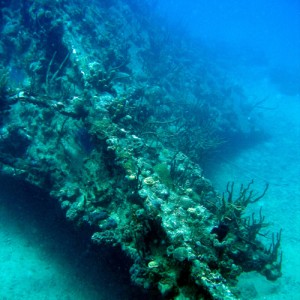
(114, 115)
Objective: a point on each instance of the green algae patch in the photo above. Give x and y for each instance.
(163, 172)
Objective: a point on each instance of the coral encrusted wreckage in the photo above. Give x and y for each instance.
(113, 115)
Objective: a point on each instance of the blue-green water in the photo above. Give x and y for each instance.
(254, 46)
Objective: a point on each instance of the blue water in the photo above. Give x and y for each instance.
(269, 27)
(258, 43)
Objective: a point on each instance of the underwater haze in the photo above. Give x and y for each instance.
(269, 28)
(149, 149)
(261, 32)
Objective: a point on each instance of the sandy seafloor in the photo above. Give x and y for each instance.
(41, 257)
(276, 161)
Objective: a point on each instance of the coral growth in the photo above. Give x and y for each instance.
(108, 120)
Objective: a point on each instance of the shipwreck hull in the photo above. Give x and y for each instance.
(93, 124)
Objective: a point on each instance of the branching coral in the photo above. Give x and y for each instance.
(242, 231)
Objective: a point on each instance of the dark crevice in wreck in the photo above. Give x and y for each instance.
(61, 241)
